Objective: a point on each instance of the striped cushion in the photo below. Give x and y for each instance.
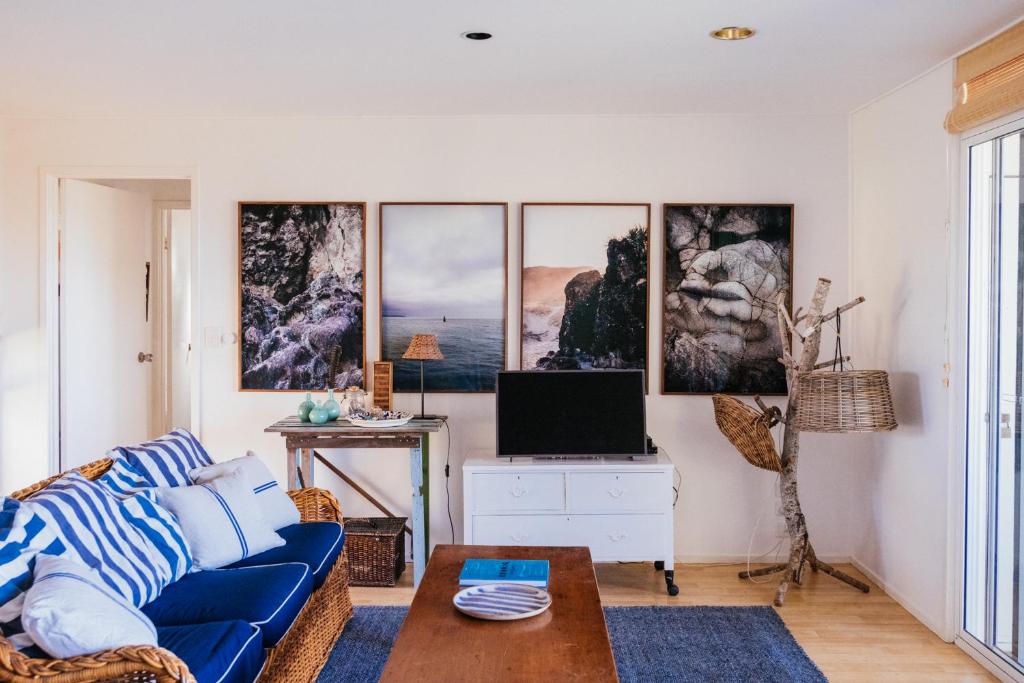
(221, 520)
(135, 546)
(166, 461)
(123, 480)
(23, 535)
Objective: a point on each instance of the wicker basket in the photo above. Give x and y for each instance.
(747, 429)
(375, 549)
(844, 401)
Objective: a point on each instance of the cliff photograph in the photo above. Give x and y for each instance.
(584, 303)
(724, 268)
(302, 295)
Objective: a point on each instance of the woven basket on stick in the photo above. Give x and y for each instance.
(844, 401)
(749, 430)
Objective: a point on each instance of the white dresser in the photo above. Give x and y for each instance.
(621, 509)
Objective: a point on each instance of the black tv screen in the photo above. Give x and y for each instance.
(571, 413)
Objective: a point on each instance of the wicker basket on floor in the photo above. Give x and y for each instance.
(376, 550)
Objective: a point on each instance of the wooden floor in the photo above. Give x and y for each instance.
(849, 635)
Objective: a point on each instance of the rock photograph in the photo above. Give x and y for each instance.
(443, 273)
(584, 297)
(302, 280)
(724, 268)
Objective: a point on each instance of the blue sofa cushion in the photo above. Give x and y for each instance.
(316, 544)
(218, 652)
(268, 596)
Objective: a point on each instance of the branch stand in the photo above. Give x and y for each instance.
(801, 552)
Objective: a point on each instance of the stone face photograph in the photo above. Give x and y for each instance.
(724, 268)
(302, 279)
(584, 285)
(443, 273)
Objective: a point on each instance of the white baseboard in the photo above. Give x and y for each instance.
(941, 630)
(742, 559)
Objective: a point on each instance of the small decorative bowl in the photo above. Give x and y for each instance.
(379, 418)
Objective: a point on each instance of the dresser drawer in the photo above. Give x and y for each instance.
(519, 492)
(619, 537)
(609, 537)
(617, 491)
(523, 530)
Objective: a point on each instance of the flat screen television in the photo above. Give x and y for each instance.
(571, 414)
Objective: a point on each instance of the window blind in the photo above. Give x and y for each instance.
(989, 81)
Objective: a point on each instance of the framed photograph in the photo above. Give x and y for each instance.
(725, 264)
(443, 271)
(584, 286)
(302, 288)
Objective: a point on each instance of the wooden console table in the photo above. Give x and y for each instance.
(303, 439)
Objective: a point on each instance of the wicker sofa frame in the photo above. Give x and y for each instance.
(298, 658)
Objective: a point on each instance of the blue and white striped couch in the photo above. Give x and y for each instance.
(273, 616)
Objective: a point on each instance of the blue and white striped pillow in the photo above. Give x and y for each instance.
(123, 480)
(221, 520)
(166, 461)
(135, 546)
(23, 535)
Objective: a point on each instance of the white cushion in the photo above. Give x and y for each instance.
(69, 611)
(221, 520)
(277, 508)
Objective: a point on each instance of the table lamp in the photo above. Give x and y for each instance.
(423, 347)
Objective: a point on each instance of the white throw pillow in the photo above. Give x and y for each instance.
(69, 611)
(221, 520)
(277, 508)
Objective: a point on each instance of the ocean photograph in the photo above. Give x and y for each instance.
(584, 286)
(443, 273)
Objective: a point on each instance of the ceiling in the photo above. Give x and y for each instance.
(406, 57)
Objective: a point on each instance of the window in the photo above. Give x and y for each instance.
(994, 534)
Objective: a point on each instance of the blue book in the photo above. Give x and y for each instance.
(525, 572)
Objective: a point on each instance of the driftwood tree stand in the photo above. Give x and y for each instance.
(805, 327)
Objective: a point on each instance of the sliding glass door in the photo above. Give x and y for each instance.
(994, 533)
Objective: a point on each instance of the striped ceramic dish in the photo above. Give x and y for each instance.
(502, 601)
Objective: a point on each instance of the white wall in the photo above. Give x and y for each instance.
(903, 176)
(802, 160)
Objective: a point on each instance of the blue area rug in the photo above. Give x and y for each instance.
(651, 644)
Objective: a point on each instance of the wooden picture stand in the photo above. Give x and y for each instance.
(801, 552)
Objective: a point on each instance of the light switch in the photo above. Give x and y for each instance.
(212, 337)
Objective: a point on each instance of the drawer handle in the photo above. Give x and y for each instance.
(616, 493)
(617, 536)
(519, 538)
(518, 492)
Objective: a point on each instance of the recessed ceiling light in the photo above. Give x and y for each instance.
(732, 33)
(476, 35)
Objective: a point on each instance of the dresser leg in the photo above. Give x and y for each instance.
(670, 577)
(659, 565)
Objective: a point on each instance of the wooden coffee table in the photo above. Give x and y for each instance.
(569, 642)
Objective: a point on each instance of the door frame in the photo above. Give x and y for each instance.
(159, 307)
(957, 340)
(49, 303)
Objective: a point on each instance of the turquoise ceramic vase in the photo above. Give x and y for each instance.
(305, 407)
(319, 415)
(332, 407)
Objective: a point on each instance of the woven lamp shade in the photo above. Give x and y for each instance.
(748, 430)
(844, 401)
(423, 347)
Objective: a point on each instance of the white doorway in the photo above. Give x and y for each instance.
(124, 320)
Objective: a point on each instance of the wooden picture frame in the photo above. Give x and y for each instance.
(360, 338)
(669, 329)
(383, 303)
(645, 211)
